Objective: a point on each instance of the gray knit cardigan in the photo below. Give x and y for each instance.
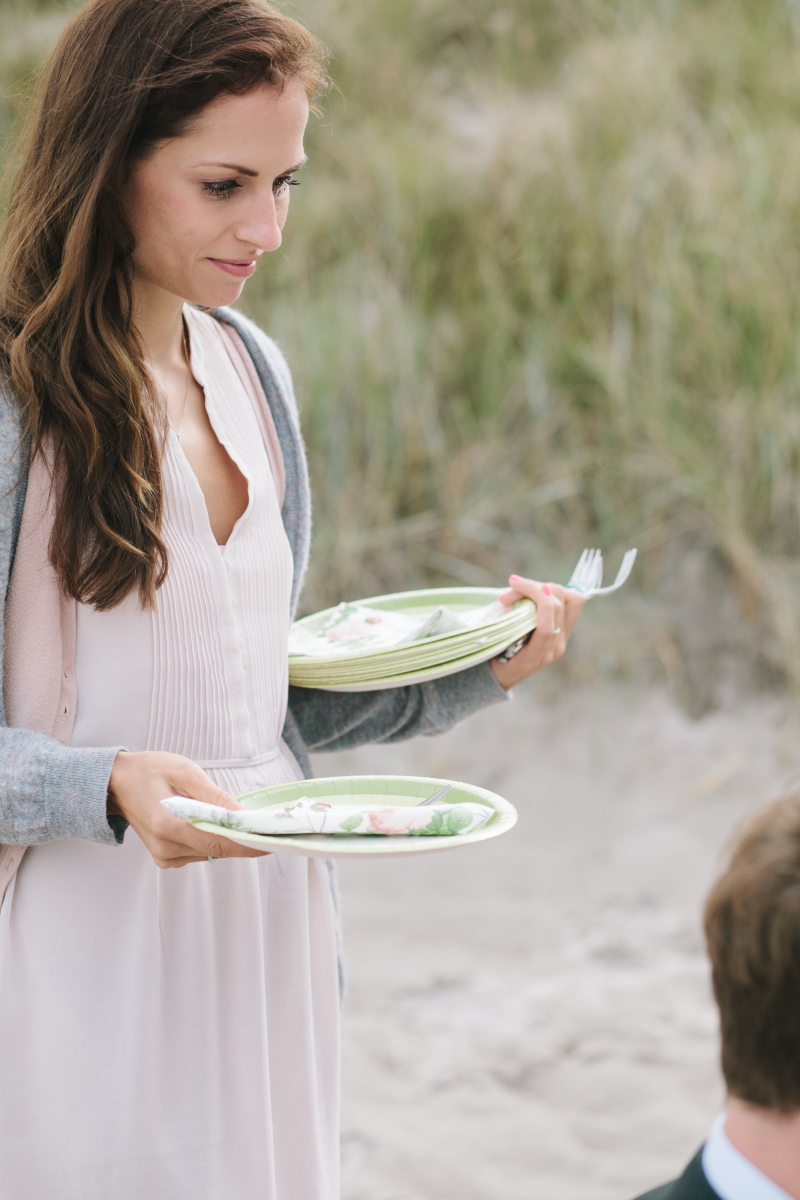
(49, 791)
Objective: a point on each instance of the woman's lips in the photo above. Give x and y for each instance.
(239, 269)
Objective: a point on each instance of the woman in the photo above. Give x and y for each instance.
(166, 1034)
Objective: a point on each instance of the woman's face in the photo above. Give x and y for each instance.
(205, 205)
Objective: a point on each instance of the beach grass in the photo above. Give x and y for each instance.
(539, 290)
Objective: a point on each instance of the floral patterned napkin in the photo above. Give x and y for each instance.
(315, 816)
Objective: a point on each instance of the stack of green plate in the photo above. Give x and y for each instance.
(363, 670)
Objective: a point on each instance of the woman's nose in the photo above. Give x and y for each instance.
(262, 228)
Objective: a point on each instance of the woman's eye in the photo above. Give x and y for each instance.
(221, 189)
(284, 181)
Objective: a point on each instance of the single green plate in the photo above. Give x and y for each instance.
(367, 789)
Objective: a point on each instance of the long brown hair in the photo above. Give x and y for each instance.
(125, 75)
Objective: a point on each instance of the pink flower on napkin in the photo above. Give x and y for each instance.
(397, 820)
(353, 627)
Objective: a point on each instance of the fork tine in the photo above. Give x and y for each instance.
(593, 571)
(583, 577)
(629, 558)
(626, 567)
(439, 794)
(577, 574)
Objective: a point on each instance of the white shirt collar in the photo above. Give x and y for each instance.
(731, 1175)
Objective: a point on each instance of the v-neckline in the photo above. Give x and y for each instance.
(186, 466)
(216, 420)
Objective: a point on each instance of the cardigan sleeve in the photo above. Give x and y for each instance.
(49, 791)
(341, 720)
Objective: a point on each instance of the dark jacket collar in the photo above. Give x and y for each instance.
(692, 1185)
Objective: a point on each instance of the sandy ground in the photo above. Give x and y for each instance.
(530, 1019)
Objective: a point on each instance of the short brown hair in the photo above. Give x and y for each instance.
(752, 926)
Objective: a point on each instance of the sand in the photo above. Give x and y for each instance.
(530, 1019)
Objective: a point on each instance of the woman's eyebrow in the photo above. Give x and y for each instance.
(237, 170)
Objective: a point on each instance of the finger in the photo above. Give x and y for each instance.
(180, 862)
(531, 589)
(193, 782)
(548, 607)
(509, 598)
(550, 600)
(557, 609)
(526, 589)
(555, 589)
(179, 856)
(198, 842)
(549, 631)
(183, 860)
(573, 607)
(522, 586)
(178, 838)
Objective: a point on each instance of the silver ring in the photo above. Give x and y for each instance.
(211, 858)
(556, 632)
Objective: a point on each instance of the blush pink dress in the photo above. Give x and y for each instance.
(174, 1035)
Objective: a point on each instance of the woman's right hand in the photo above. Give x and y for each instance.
(138, 784)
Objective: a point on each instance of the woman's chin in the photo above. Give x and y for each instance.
(218, 296)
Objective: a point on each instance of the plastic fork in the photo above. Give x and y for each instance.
(439, 795)
(587, 577)
(588, 573)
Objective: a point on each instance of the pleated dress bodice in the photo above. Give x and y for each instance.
(209, 667)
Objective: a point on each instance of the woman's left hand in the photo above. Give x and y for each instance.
(558, 608)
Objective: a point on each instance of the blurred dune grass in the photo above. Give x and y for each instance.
(539, 290)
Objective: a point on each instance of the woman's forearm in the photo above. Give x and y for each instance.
(50, 791)
(341, 720)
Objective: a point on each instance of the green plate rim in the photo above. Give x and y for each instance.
(422, 653)
(516, 613)
(426, 675)
(344, 846)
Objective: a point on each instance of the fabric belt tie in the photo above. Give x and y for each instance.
(256, 761)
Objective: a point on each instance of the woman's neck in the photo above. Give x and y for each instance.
(157, 318)
(769, 1139)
